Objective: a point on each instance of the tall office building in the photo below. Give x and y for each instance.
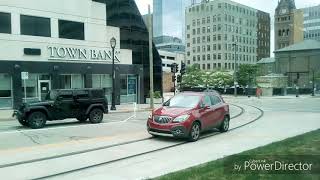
(263, 39)
(168, 25)
(157, 18)
(220, 32)
(169, 18)
(312, 22)
(288, 24)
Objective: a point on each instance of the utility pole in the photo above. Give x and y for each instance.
(150, 58)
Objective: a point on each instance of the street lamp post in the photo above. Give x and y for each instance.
(313, 87)
(113, 43)
(235, 68)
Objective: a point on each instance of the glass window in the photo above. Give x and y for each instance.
(128, 88)
(123, 85)
(35, 26)
(31, 85)
(215, 100)
(5, 23)
(66, 81)
(207, 101)
(66, 96)
(5, 85)
(77, 81)
(71, 30)
(183, 101)
(132, 85)
(103, 81)
(74, 81)
(5, 91)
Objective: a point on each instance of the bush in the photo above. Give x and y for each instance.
(156, 94)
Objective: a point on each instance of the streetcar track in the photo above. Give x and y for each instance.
(121, 144)
(100, 148)
(152, 151)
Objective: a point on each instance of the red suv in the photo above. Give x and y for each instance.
(188, 114)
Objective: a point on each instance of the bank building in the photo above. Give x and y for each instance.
(58, 44)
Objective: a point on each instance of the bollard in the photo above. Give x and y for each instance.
(135, 110)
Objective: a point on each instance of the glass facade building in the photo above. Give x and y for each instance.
(169, 18)
(157, 18)
(134, 36)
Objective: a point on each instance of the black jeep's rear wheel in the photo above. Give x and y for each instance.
(37, 120)
(96, 116)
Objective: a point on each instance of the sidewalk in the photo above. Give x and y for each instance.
(6, 115)
(273, 97)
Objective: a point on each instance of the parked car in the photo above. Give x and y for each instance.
(62, 104)
(188, 114)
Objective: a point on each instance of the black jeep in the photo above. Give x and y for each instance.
(64, 103)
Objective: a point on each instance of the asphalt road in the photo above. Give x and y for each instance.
(121, 143)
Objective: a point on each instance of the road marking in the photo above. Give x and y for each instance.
(93, 140)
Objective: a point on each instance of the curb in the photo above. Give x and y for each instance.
(274, 97)
(4, 120)
(128, 111)
(110, 112)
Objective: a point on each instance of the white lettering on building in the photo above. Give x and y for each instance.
(69, 53)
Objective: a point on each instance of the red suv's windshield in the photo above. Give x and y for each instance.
(183, 101)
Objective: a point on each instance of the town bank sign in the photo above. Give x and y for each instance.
(70, 53)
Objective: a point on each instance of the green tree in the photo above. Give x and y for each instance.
(192, 78)
(247, 74)
(195, 77)
(220, 79)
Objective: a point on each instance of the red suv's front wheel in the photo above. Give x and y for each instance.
(225, 124)
(194, 132)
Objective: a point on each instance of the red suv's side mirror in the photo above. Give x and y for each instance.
(203, 106)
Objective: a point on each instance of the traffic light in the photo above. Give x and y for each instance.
(179, 78)
(176, 67)
(183, 68)
(173, 78)
(172, 68)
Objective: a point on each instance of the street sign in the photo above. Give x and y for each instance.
(24, 75)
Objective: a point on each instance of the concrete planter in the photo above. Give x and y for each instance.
(155, 100)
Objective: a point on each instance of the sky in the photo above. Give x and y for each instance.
(264, 5)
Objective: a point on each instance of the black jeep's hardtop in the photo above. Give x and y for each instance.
(62, 104)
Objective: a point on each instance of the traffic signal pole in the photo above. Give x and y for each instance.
(174, 70)
(174, 85)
